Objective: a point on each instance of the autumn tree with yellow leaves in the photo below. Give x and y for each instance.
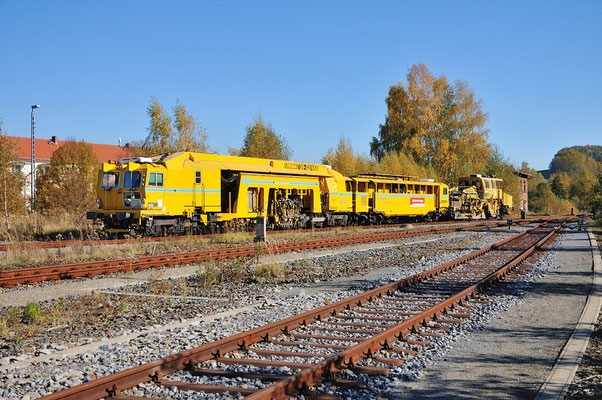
(342, 159)
(11, 181)
(69, 182)
(165, 135)
(438, 124)
(261, 141)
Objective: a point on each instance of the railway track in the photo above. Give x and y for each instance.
(366, 333)
(21, 276)
(54, 244)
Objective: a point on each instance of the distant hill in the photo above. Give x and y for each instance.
(545, 173)
(576, 160)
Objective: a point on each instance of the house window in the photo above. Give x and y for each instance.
(155, 179)
(18, 168)
(197, 177)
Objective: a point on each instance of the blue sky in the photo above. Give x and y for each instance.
(314, 70)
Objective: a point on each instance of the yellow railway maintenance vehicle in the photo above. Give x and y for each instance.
(197, 192)
(478, 197)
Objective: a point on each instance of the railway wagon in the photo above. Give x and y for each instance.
(197, 192)
(394, 198)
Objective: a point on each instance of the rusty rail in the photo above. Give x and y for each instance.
(19, 276)
(451, 288)
(53, 244)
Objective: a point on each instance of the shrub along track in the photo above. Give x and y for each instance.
(20, 276)
(378, 327)
(53, 244)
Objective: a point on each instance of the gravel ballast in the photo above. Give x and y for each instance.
(279, 301)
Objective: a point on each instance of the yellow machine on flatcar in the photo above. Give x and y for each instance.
(479, 196)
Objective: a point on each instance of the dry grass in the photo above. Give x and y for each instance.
(270, 271)
(21, 323)
(232, 237)
(36, 226)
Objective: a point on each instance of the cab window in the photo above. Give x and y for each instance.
(493, 185)
(348, 186)
(486, 184)
(110, 180)
(131, 179)
(444, 190)
(155, 179)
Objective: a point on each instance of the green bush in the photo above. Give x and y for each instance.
(31, 313)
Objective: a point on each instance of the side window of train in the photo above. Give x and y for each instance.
(444, 190)
(155, 179)
(493, 184)
(361, 187)
(197, 177)
(402, 188)
(348, 186)
(429, 189)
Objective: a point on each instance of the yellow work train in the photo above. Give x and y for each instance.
(197, 192)
(478, 197)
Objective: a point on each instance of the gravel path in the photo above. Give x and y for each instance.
(284, 300)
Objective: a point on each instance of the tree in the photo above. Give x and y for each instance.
(69, 184)
(190, 135)
(166, 136)
(438, 124)
(398, 163)
(261, 141)
(557, 187)
(11, 180)
(594, 198)
(342, 159)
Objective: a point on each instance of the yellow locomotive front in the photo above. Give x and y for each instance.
(123, 195)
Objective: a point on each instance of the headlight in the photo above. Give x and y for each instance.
(97, 202)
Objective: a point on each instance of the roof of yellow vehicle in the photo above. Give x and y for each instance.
(246, 164)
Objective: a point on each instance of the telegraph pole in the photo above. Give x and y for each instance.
(33, 161)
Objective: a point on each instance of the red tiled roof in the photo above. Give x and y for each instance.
(45, 148)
